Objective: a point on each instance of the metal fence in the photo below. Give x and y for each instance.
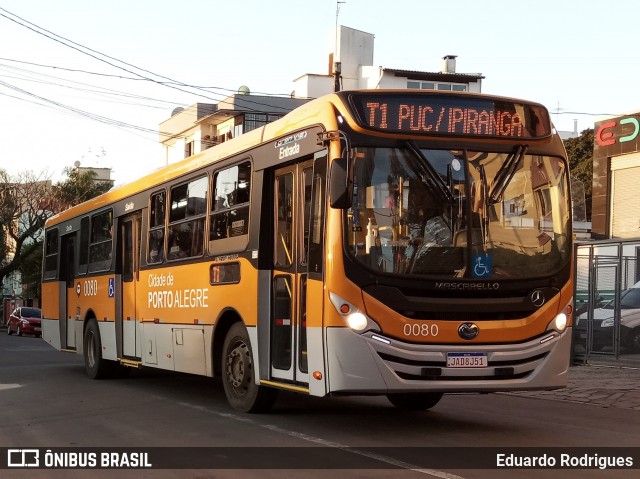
(607, 302)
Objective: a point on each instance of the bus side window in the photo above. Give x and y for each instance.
(186, 219)
(230, 203)
(51, 255)
(101, 243)
(83, 252)
(156, 228)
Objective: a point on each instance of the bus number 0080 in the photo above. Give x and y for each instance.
(423, 329)
(91, 288)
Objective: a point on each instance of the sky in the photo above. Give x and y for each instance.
(81, 80)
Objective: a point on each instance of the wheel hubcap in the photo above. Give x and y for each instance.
(238, 366)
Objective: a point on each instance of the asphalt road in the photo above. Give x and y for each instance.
(46, 401)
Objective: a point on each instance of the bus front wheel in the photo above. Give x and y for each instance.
(414, 401)
(238, 375)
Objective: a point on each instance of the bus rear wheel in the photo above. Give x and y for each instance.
(238, 375)
(414, 401)
(94, 364)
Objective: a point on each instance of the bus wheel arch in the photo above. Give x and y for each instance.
(224, 322)
(235, 361)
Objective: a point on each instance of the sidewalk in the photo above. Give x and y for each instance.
(600, 385)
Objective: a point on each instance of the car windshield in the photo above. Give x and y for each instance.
(629, 299)
(31, 313)
(458, 214)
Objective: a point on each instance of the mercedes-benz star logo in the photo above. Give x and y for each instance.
(468, 331)
(537, 298)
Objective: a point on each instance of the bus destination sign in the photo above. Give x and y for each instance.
(437, 114)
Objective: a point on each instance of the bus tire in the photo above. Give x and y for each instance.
(238, 375)
(414, 401)
(94, 364)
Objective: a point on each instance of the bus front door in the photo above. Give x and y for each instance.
(289, 282)
(130, 231)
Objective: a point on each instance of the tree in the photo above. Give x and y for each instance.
(26, 202)
(31, 271)
(79, 187)
(580, 153)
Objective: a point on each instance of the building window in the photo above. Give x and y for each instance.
(430, 85)
(189, 149)
(256, 120)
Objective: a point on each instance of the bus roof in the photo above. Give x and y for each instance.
(301, 117)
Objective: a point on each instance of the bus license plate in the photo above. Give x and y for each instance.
(467, 360)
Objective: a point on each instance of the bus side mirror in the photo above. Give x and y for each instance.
(339, 184)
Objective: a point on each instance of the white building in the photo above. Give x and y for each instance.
(354, 60)
(198, 127)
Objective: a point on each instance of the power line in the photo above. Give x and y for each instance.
(79, 47)
(122, 77)
(75, 70)
(86, 114)
(584, 113)
(99, 89)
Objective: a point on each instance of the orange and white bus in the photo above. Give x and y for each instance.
(400, 243)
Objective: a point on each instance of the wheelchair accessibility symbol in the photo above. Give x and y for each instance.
(112, 287)
(481, 265)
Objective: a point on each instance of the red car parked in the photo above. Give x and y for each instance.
(25, 320)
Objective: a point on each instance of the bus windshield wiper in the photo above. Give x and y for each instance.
(505, 174)
(435, 179)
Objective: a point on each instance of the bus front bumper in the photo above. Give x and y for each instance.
(374, 364)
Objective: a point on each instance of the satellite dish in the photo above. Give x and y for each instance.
(244, 90)
(76, 164)
(177, 110)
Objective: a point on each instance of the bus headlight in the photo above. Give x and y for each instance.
(559, 323)
(355, 319)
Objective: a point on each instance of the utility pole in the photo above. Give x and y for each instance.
(337, 65)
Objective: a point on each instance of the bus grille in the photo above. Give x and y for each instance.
(413, 370)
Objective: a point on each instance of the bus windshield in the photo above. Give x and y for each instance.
(459, 214)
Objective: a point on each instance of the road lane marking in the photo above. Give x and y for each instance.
(9, 386)
(323, 442)
(370, 455)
